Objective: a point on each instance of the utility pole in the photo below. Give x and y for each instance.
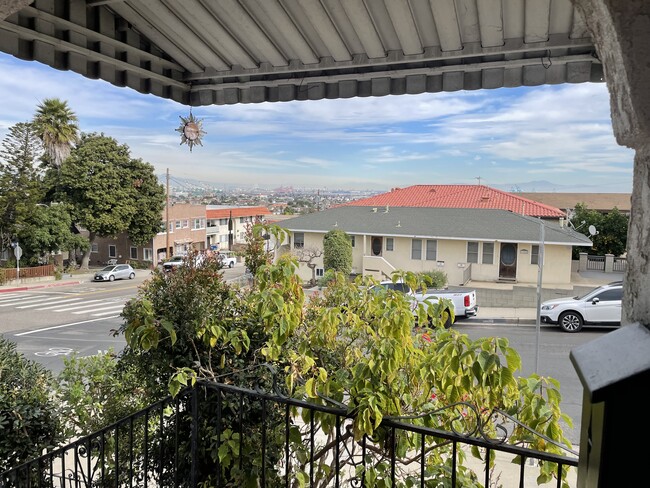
(167, 220)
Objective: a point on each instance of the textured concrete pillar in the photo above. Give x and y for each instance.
(621, 33)
(582, 263)
(609, 263)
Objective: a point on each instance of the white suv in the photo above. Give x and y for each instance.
(601, 306)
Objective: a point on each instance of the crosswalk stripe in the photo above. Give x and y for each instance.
(45, 301)
(65, 301)
(113, 307)
(105, 313)
(10, 303)
(85, 304)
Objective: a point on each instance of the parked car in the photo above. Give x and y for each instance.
(227, 259)
(173, 262)
(115, 272)
(415, 298)
(601, 306)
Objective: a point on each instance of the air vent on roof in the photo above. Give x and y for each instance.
(386, 211)
(485, 197)
(374, 209)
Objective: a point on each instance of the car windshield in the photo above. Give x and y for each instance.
(108, 268)
(588, 294)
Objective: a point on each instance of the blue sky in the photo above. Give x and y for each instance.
(512, 138)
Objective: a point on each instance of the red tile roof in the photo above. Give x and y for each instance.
(458, 196)
(223, 213)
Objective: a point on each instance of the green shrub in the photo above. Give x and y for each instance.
(29, 421)
(435, 279)
(337, 251)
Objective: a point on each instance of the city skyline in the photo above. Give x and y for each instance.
(557, 137)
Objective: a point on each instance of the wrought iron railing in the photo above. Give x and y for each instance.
(221, 435)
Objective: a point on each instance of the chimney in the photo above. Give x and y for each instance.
(562, 222)
(386, 211)
(374, 210)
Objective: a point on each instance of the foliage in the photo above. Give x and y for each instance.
(187, 324)
(435, 279)
(346, 346)
(56, 126)
(337, 253)
(611, 227)
(109, 192)
(29, 421)
(261, 242)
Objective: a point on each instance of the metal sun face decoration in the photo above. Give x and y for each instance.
(191, 130)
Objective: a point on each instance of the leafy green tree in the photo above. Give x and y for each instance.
(337, 251)
(355, 348)
(29, 421)
(261, 242)
(611, 228)
(110, 192)
(56, 126)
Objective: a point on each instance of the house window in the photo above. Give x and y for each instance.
(352, 241)
(488, 253)
(198, 224)
(133, 253)
(432, 249)
(179, 224)
(148, 254)
(298, 240)
(320, 272)
(94, 247)
(171, 227)
(416, 249)
(223, 238)
(472, 252)
(223, 221)
(186, 224)
(112, 251)
(389, 244)
(534, 254)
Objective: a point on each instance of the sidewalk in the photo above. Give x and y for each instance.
(49, 282)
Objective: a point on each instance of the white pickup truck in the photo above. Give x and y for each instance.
(464, 301)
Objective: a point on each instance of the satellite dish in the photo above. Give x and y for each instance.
(592, 230)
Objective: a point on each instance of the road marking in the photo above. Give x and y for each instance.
(64, 325)
(14, 301)
(58, 304)
(111, 307)
(79, 305)
(103, 313)
(55, 351)
(43, 302)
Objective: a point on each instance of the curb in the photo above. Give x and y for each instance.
(512, 321)
(32, 287)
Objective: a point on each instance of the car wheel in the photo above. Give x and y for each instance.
(111, 278)
(131, 276)
(570, 322)
(231, 264)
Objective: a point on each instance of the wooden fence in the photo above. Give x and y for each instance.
(9, 274)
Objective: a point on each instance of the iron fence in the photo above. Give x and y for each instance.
(221, 435)
(620, 264)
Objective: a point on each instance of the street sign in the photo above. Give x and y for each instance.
(18, 252)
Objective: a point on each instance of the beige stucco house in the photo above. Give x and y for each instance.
(466, 244)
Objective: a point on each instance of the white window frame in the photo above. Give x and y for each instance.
(431, 251)
(534, 254)
(390, 244)
(147, 254)
(112, 251)
(472, 255)
(298, 243)
(489, 254)
(416, 250)
(94, 247)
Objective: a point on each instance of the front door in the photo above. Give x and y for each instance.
(375, 246)
(508, 261)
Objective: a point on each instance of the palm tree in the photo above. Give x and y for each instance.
(56, 126)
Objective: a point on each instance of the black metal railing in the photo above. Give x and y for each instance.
(221, 435)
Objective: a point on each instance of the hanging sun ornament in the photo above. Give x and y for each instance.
(191, 130)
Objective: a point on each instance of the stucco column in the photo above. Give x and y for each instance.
(582, 264)
(621, 33)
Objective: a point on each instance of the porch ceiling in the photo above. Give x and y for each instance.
(206, 52)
